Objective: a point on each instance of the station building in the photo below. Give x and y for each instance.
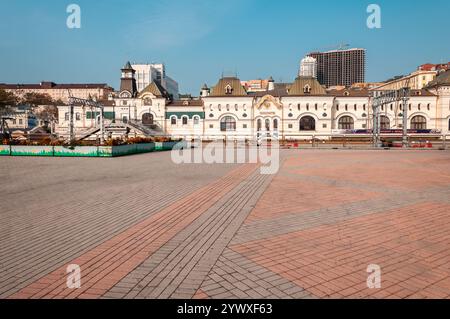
(302, 109)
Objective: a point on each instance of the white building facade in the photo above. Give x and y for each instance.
(301, 110)
(148, 73)
(308, 67)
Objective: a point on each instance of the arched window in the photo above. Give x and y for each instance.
(259, 125)
(385, 123)
(346, 123)
(228, 89)
(184, 120)
(275, 125)
(267, 122)
(78, 117)
(418, 122)
(307, 123)
(228, 123)
(147, 119)
(196, 120)
(147, 101)
(173, 120)
(307, 89)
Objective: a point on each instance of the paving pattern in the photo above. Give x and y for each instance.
(143, 227)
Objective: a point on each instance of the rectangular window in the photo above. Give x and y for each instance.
(244, 126)
(20, 121)
(324, 125)
(290, 126)
(211, 125)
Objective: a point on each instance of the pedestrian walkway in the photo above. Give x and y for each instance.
(143, 227)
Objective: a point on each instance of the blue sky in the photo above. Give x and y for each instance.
(200, 39)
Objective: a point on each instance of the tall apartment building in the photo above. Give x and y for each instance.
(308, 67)
(340, 67)
(147, 73)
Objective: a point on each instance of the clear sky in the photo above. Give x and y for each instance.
(200, 39)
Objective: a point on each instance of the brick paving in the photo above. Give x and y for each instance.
(142, 227)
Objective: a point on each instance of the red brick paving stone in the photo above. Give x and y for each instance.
(105, 265)
(286, 195)
(411, 170)
(200, 294)
(398, 240)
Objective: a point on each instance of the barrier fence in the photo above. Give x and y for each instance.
(85, 151)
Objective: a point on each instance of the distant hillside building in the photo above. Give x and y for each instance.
(434, 67)
(340, 67)
(61, 91)
(417, 80)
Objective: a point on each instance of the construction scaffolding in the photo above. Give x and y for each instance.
(380, 98)
(5, 132)
(92, 104)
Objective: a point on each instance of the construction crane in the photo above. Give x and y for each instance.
(339, 47)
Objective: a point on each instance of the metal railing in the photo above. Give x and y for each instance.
(347, 141)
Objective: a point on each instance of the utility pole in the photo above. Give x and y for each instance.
(405, 117)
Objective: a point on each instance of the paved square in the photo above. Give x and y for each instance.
(143, 227)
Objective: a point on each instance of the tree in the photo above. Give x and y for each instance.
(47, 113)
(35, 100)
(7, 101)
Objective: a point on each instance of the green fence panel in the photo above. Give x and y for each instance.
(123, 150)
(5, 150)
(105, 151)
(145, 148)
(85, 151)
(78, 151)
(23, 150)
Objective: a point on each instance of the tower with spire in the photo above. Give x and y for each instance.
(128, 81)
